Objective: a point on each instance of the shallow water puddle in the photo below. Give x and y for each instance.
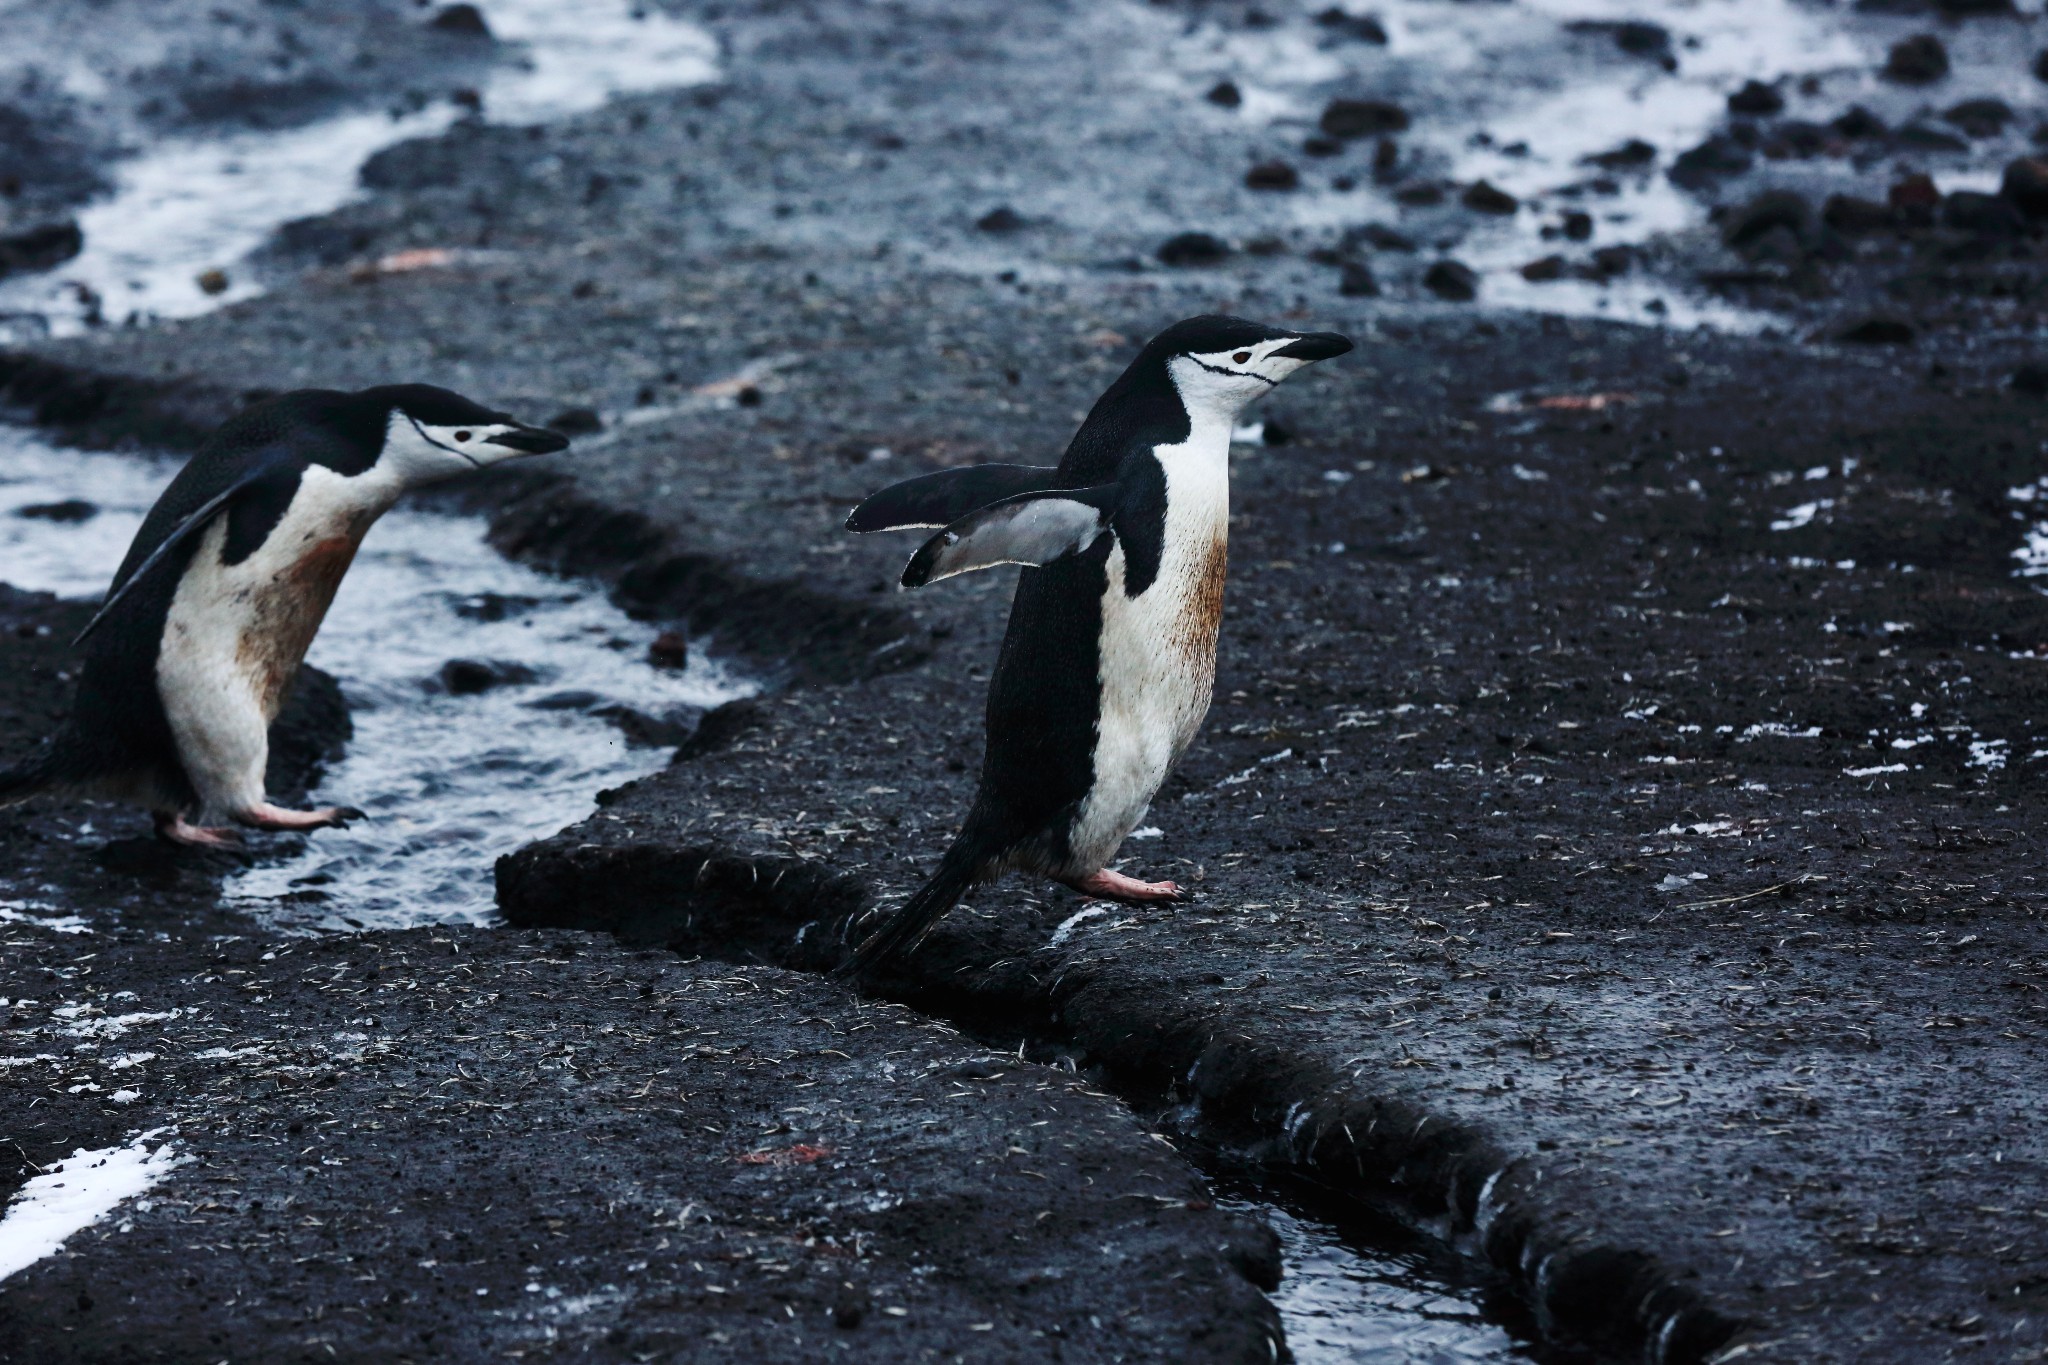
(450, 782)
(182, 208)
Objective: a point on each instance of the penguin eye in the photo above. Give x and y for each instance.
(462, 436)
(1242, 357)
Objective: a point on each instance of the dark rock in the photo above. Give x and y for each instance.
(213, 281)
(1796, 138)
(462, 21)
(69, 510)
(1858, 123)
(468, 677)
(1980, 118)
(2031, 379)
(1001, 218)
(1925, 137)
(1386, 159)
(1452, 280)
(1484, 197)
(1919, 60)
(2041, 65)
(39, 248)
(1272, 175)
(1609, 261)
(2026, 185)
(1634, 37)
(1193, 249)
(1914, 193)
(1969, 9)
(1544, 269)
(720, 726)
(1357, 282)
(1847, 214)
(1348, 118)
(1772, 209)
(1987, 215)
(1275, 432)
(1629, 155)
(576, 422)
(1577, 225)
(1318, 145)
(1362, 28)
(1877, 332)
(1266, 246)
(574, 700)
(1719, 156)
(1757, 100)
(1380, 237)
(671, 649)
(644, 731)
(1421, 195)
(1225, 94)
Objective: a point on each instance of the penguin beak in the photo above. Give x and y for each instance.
(1315, 346)
(531, 440)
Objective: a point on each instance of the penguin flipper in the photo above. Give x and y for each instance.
(933, 500)
(1031, 528)
(194, 523)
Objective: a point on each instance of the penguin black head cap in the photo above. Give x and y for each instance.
(1222, 362)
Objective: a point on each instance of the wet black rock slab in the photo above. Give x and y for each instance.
(428, 1146)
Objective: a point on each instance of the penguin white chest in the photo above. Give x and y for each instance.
(236, 633)
(1158, 650)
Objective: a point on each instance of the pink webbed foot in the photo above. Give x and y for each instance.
(1115, 886)
(175, 828)
(267, 816)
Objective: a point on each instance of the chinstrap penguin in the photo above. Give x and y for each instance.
(224, 587)
(1106, 668)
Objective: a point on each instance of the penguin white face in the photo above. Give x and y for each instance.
(420, 450)
(1221, 383)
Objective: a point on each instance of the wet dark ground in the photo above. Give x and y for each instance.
(1544, 822)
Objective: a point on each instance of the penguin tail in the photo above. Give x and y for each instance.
(31, 777)
(958, 870)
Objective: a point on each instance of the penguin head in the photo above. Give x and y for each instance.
(1220, 364)
(432, 434)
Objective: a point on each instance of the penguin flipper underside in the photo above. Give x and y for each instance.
(932, 500)
(1031, 528)
(194, 523)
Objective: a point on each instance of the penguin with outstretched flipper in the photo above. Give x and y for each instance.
(1105, 671)
(224, 588)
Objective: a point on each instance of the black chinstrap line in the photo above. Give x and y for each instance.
(439, 445)
(1235, 374)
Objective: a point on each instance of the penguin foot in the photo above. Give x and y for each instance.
(1115, 886)
(267, 816)
(176, 829)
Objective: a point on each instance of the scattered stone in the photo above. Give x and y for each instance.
(1629, 155)
(1576, 225)
(2041, 65)
(1855, 217)
(1421, 195)
(1485, 197)
(1347, 118)
(1968, 9)
(462, 21)
(69, 510)
(1634, 37)
(1914, 192)
(1919, 60)
(1544, 269)
(1986, 215)
(1380, 237)
(1225, 95)
(1757, 100)
(1877, 332)
(1357, 282)
(574, 700)
(2031, 379)
(1001, 218)
(1362, 28)
(213, 281)
(671, 649)
(1980, 118)
(576, 422)
(1193, 249)
(1609, 261)
(1858, 123)
(1925, 137)
(1272, 175)
(644, 731)
(1797, 138)
(1452, 280)
(1749, 227)
(1317, 145)
(1717, 157)
(39, 248)
(2026, 185)
(468, 677)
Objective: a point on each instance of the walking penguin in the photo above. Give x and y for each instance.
(1105, 671)
(223, 589)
